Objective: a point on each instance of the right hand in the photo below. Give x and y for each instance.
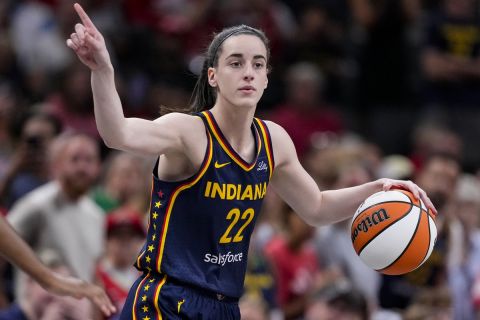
(69, 286)
(88, 42)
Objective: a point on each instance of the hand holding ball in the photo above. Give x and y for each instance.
(392, 232)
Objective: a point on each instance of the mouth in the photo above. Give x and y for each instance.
(247, 89)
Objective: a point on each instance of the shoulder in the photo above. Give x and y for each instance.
(281, 140)
(39, 197)
(275, 129)
(181, 126)
(284, 150)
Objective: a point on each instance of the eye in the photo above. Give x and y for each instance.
(259, 65)
(235, 64)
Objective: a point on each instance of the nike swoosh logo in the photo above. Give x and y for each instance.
(179, 305)
(221, 165)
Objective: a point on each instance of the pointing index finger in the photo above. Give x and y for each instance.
(84, 16)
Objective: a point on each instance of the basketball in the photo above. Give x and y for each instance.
(392, 232)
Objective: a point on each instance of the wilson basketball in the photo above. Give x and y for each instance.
(392, 232)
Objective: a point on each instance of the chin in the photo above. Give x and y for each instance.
(246, 103)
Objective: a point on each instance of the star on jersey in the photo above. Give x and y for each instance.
(148, 259)
(146, 287)
(158, 204)
(151, 248)
(144, 298)
(146, 318)
(154, 237)
(155, 215)
(145, 309)
(160, 194)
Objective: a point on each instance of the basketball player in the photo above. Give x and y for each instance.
(16, 251)
(211, 176)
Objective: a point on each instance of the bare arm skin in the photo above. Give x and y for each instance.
(167, 134)
(16, 251)
(299, 190)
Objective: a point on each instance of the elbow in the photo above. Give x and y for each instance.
(313, 218)
(110, 143)
(316, 215)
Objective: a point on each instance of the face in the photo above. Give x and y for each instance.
(438, 178)
(125, 177)
(123, 246)
(78, 165)
(240, 76)
(38, 131)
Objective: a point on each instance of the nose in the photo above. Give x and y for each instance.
(249, 73)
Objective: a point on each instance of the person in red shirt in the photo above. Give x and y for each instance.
(125, 236)
(294, 262)
(304, 113)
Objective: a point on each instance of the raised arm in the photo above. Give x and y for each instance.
(129, 134)
(299, 190)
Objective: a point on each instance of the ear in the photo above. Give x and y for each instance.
(266, 83)
(212, 77)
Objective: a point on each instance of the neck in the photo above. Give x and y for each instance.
(235, 122)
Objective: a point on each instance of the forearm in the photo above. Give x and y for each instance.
(108, 107)
(16, 251)
(341, 204)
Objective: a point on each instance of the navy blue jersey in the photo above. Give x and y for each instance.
(200, 228)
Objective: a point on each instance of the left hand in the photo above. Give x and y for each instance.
(69, 286)
(418, 193)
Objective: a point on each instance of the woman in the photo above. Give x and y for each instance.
(211, 176)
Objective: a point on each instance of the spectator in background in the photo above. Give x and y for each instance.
(430, 139)
(337, 301)
(252, 308)
(272, 16)
(37, 38)
(59, 215)
(73, 105)
(304, 111)
(125, 236)
(294, 263)
(451, 64)
(124, 183)
(451, 55)
(381, 32)
(334, 243)
(438, 177)
(432, 304)
(320, 39)
(467, 266)
(37, 41)
(36, 303)
(28, 168)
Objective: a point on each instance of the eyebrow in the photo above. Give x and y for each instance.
(240, 55)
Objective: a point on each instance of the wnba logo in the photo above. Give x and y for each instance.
(262, 166)
(370, 221)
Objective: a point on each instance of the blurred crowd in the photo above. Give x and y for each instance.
(365, 88)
